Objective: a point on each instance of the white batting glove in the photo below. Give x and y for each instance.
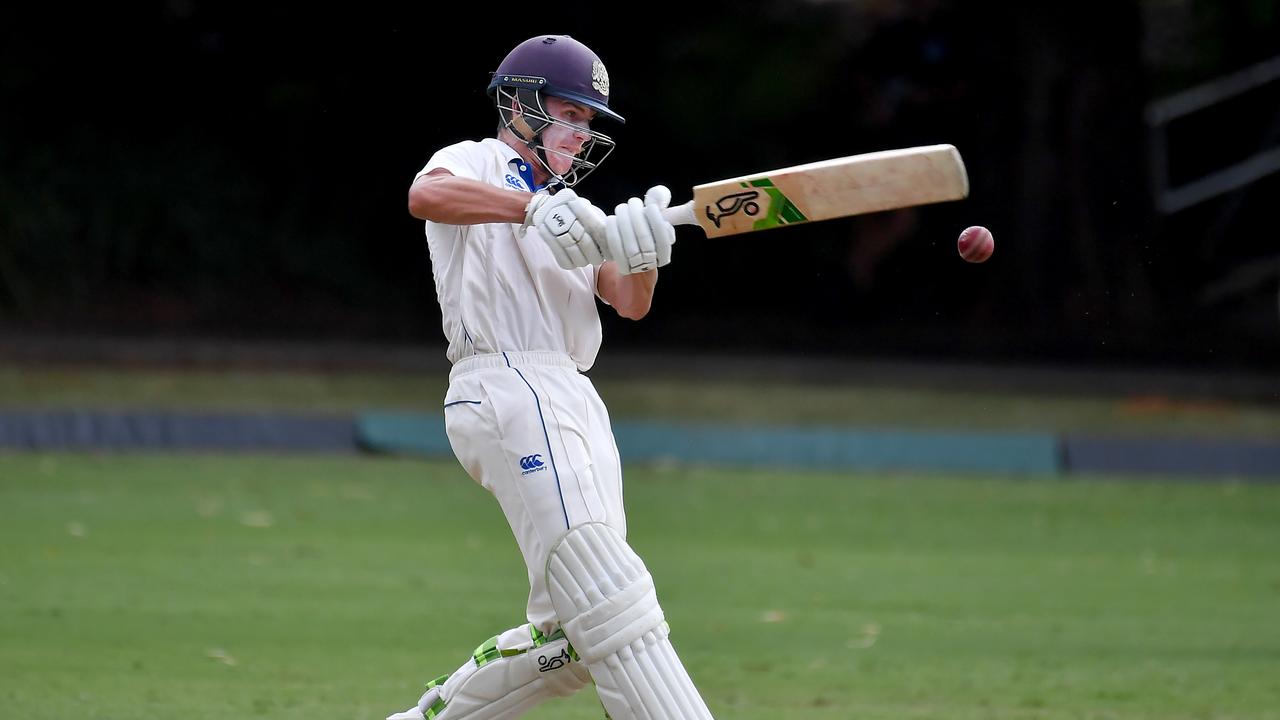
(639, 238)
(571, 226)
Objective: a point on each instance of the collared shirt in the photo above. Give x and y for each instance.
(499, 288)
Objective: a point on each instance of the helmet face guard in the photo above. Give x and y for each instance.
(559, 66)
(522, 112)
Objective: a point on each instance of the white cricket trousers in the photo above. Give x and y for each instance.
(533, 431)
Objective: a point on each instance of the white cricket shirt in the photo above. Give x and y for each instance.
(498, 289)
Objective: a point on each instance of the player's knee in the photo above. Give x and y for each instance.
(602, 592)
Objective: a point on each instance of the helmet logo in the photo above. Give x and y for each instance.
(599, 78)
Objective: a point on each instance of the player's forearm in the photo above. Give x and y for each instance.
(462, 201)
(630, 295)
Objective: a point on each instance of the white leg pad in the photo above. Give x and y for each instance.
(506, 677)
(608, 607)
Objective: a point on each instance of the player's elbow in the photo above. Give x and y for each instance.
(636, 309)
(421, 204)
(426, 197)
(629, 295)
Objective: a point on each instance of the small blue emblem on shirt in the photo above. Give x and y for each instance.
(525, 180)
(531, 463)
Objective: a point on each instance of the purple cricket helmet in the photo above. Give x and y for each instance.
(557, 65)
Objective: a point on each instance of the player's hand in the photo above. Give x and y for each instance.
(640, 239)
(571, 226)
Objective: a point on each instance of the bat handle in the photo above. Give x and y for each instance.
(680, 214)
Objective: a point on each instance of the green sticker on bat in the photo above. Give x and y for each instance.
(781, 210)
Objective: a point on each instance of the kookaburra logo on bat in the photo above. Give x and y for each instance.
(731, 204)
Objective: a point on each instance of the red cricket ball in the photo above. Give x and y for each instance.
(976, 244)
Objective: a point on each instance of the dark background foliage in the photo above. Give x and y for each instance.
(240, 170)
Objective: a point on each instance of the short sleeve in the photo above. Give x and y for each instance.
(461, 159)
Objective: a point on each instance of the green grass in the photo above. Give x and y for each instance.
(180, 586)
(717, 401)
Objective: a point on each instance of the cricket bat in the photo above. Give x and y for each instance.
(852, 185)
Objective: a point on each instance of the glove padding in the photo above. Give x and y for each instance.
(571, 226)
(639, 237)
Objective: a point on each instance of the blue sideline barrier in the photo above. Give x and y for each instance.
(67, 430)
(838, 448)
(712, 444)
(756, 446)
(1176, 456)
(407, 433)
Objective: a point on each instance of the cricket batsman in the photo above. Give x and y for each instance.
(519, 260)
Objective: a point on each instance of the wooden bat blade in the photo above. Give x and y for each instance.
(853, 185)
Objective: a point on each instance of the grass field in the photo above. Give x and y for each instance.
(179, 586)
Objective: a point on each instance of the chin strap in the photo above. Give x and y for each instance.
(556, 182)
(525, 130)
